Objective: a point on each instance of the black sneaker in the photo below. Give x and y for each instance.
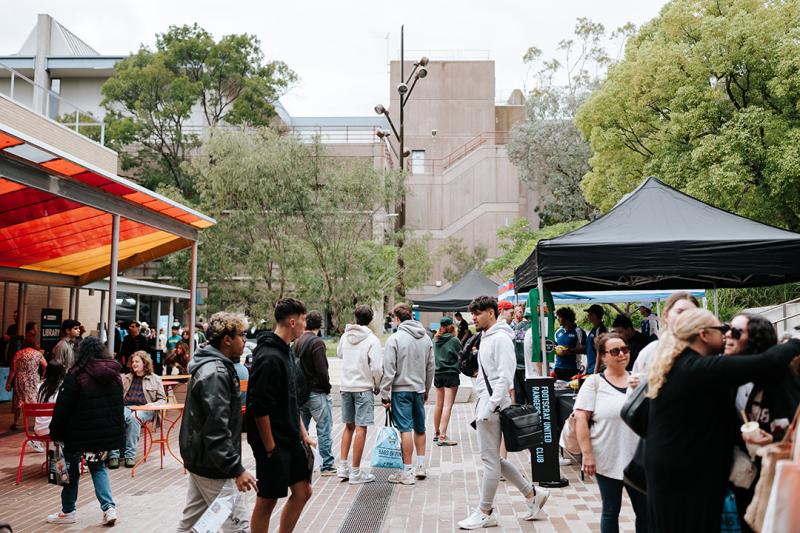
(130, 463)
(113, 463)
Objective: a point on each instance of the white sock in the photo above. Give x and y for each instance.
(407, 468)
(344, 463)
(421, 460)
(355, 471)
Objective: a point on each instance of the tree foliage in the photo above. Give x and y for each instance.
(547, 148)
(707, 99)
(461, 260)
(293, 221)
(159, 101)
(518, 240)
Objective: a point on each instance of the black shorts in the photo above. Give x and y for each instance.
(281, 470)
(447, 381)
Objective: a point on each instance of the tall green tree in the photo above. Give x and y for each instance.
(160, 101)
(461, 260)
(294, 221)
(707, 98)
(546, 147)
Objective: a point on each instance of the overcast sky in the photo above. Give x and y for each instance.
(338, 48)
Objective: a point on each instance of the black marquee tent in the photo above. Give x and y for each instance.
(660, 238)
(460, 294)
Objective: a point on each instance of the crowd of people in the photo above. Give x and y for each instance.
(703, 380)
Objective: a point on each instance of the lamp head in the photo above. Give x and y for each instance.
(422, 72)
(423, 62)
(402, 88)
(379, 109)
(406, 152)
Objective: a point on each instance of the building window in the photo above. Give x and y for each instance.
(417, 161)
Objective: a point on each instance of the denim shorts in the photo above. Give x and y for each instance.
(408, 410)
(358, 408)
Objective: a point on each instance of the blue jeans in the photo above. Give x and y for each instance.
(133, 428)
(611, 496)
(320, 407)
(102, 484)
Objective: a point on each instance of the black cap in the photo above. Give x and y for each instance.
(596, 309)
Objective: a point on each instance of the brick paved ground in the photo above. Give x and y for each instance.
(153, 500)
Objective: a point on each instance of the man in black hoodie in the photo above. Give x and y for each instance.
(211, 431)
(276, 433)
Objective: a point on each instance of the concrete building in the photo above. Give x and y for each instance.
(462, 184)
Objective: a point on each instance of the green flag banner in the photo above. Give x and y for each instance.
(532, 313)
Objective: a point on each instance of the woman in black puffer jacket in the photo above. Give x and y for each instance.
(88, 419)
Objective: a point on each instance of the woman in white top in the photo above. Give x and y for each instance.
(608, 445)
(47, 393)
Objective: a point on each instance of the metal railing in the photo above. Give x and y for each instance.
(431, 166)
(334, 134)
(66, 118)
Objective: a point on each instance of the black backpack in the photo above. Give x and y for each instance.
(467, 358)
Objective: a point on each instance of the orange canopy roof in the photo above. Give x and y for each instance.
(56, 216)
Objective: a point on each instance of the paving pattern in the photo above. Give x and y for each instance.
(153, 500)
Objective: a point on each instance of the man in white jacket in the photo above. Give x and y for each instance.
(497, 364)
(408, 368)
(362, 369)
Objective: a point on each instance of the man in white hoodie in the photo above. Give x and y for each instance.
(497, 364)
(408, 368)
(362, 369)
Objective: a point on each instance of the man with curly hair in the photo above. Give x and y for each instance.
(211, 432)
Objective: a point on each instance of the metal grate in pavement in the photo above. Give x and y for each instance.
(368, 511)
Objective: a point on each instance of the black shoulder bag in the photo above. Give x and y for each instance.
(636, 410)
(467, 359)
(521, 424)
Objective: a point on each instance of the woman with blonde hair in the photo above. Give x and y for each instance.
(139, 387)
(689, 438)
(446, 348)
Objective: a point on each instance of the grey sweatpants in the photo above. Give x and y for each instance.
(201, 493)
(489, 434)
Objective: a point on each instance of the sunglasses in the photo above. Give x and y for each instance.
(616, 352)
(724, 328)
(736, 333)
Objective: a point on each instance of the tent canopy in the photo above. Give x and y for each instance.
(660, 238)
(56, 217)
(460, 294)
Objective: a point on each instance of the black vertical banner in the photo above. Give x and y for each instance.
(544, 458)
(50, 329)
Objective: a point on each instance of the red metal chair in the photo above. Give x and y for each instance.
(32, 410)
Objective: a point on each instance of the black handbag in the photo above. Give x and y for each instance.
(634, 474)
(521, 424)
(636, 411)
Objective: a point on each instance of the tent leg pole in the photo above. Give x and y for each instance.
(77, 303)
(112, 282)
(49, 297)
(171, 315)
(20, 309)
(716, 301)
(71, 307)
(100, 328)
(542, 326)
(137, 317)
(192, 299)
(5, 307)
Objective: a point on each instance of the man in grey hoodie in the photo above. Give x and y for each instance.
(408, 369)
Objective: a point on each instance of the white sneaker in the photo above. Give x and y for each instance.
(535, 505)
(361, 477)
(36, 446)
(405, 478)
(110, 516)
(479, 520)
(61, 518)
(343, 472)
(564, 461)
(420, 472)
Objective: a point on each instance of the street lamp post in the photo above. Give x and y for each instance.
(404, 91)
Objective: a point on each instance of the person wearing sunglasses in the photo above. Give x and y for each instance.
(608, 444)
(689, 436)
(771, 402)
